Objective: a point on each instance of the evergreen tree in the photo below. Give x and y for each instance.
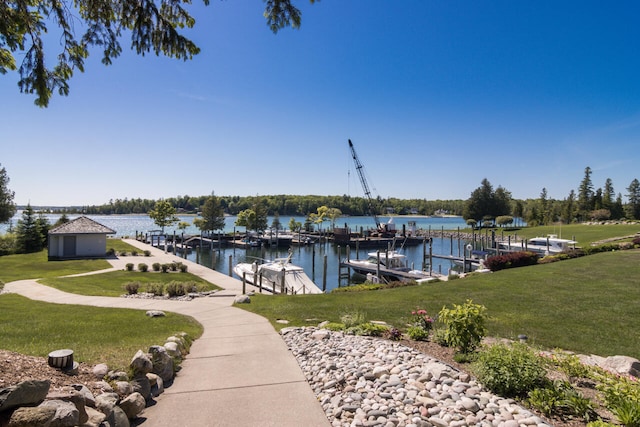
(633, 195)
(617, 210)
(212, 215)
(276, 224)
(7, 207)
(486, 204)
(585, 195)
(28, 235)
(43, 226)
(608, 195)
(568, 211)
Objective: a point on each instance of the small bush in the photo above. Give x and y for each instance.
(134, 253)
(510, 370)
(143, 267)
(622, 398)
(368, 329)
(156, 289)
(175, 289)
(511, 260)
(561, 399)
(464, 325)
(173, 266)
(333, 326)
(155, 266)
(129, 266)
(393, 334)
(417, 333)
(123, 253)
(440, 337)
(164, 268)
(147, 252)
(183, 268)
(132, 287)
(352, 319)
(111, 252)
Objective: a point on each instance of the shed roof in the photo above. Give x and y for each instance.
(81, 225)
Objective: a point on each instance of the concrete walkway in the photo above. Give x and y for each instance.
(239, 373)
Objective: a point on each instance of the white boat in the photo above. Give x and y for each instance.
(550, 245)
(277, 276)
(391, 265)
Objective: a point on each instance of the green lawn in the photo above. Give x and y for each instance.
(96, 335)
(35, 265)
(583, 234)
(589, 304)
(112, 283)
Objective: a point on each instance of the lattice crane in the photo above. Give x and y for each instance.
(365, 186)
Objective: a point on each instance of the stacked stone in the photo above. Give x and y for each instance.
(31, 403)
(364, 381)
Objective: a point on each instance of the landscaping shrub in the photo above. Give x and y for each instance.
(183, 268)
(143, 267)
(464, 325)
(417, 333)
(173, 266)
(123, 253)
(368, 329)
(147, 252)
(164, 268)
(511, 260)
(560, 399)
(156, 289)
(622, 397)
(636, 241)
(510, 370)
(333, 326)
(175, 289)
(132, 287)
(111, 252)
(134, 253)
(129, 266)
(352, 319)
(393, 334)
(155, 266)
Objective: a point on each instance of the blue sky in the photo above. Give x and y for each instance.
(435, 95)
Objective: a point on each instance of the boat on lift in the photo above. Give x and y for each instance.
(388, 265)
(277, 276)
(550, 245)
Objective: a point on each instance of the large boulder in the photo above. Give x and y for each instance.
(118, 418)
(27, 393)
(67, 415)
(622, 365)
(71, 396)
(96, 418)
(133, 405)
(140, 384)
(141, 363)
(32, 416)
(105, 403)
(162, 363)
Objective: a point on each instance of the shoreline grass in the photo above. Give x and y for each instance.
(587, 305)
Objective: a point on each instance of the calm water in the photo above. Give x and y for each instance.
(311, 258)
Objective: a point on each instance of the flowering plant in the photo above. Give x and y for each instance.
(421, 319)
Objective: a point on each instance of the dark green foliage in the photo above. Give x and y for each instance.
(510, 370)
(31, 232)
(183, 267)
(464, 325)
(156, 289)
(143, 267)
(165, 268)
(156, 266)
(511, 260)
(132, 287)
(147, 252)
(368, 329)
(129, 266)
(560, 399)
(7, 207)
(393, 334)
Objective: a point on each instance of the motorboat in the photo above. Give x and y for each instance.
(390, 265)
(277, 276)
(549, 245)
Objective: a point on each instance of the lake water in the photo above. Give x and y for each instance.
(310, 257)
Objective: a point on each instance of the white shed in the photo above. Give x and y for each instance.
(78, 238)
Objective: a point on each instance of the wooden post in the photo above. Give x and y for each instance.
(430, 255)
(197, 254)
(174, 242)
(244, 282)
(378, 264)
(313, 261)
(357, 249)
(260, 281)
(282, 288)
(230, 266)
(213, 259)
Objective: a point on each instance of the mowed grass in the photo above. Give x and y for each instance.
(589, 305)
(96, 335)
(112, 283)
(35, 266)
(120, 245)
(583, 234)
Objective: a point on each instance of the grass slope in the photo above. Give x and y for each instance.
(588, 305)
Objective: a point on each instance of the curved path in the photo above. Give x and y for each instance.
(239, 373)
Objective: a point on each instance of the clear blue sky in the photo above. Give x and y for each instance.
(435, 95)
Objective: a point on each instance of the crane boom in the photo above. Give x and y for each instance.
(365, 186)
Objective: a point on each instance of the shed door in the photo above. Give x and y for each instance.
(69, 246)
